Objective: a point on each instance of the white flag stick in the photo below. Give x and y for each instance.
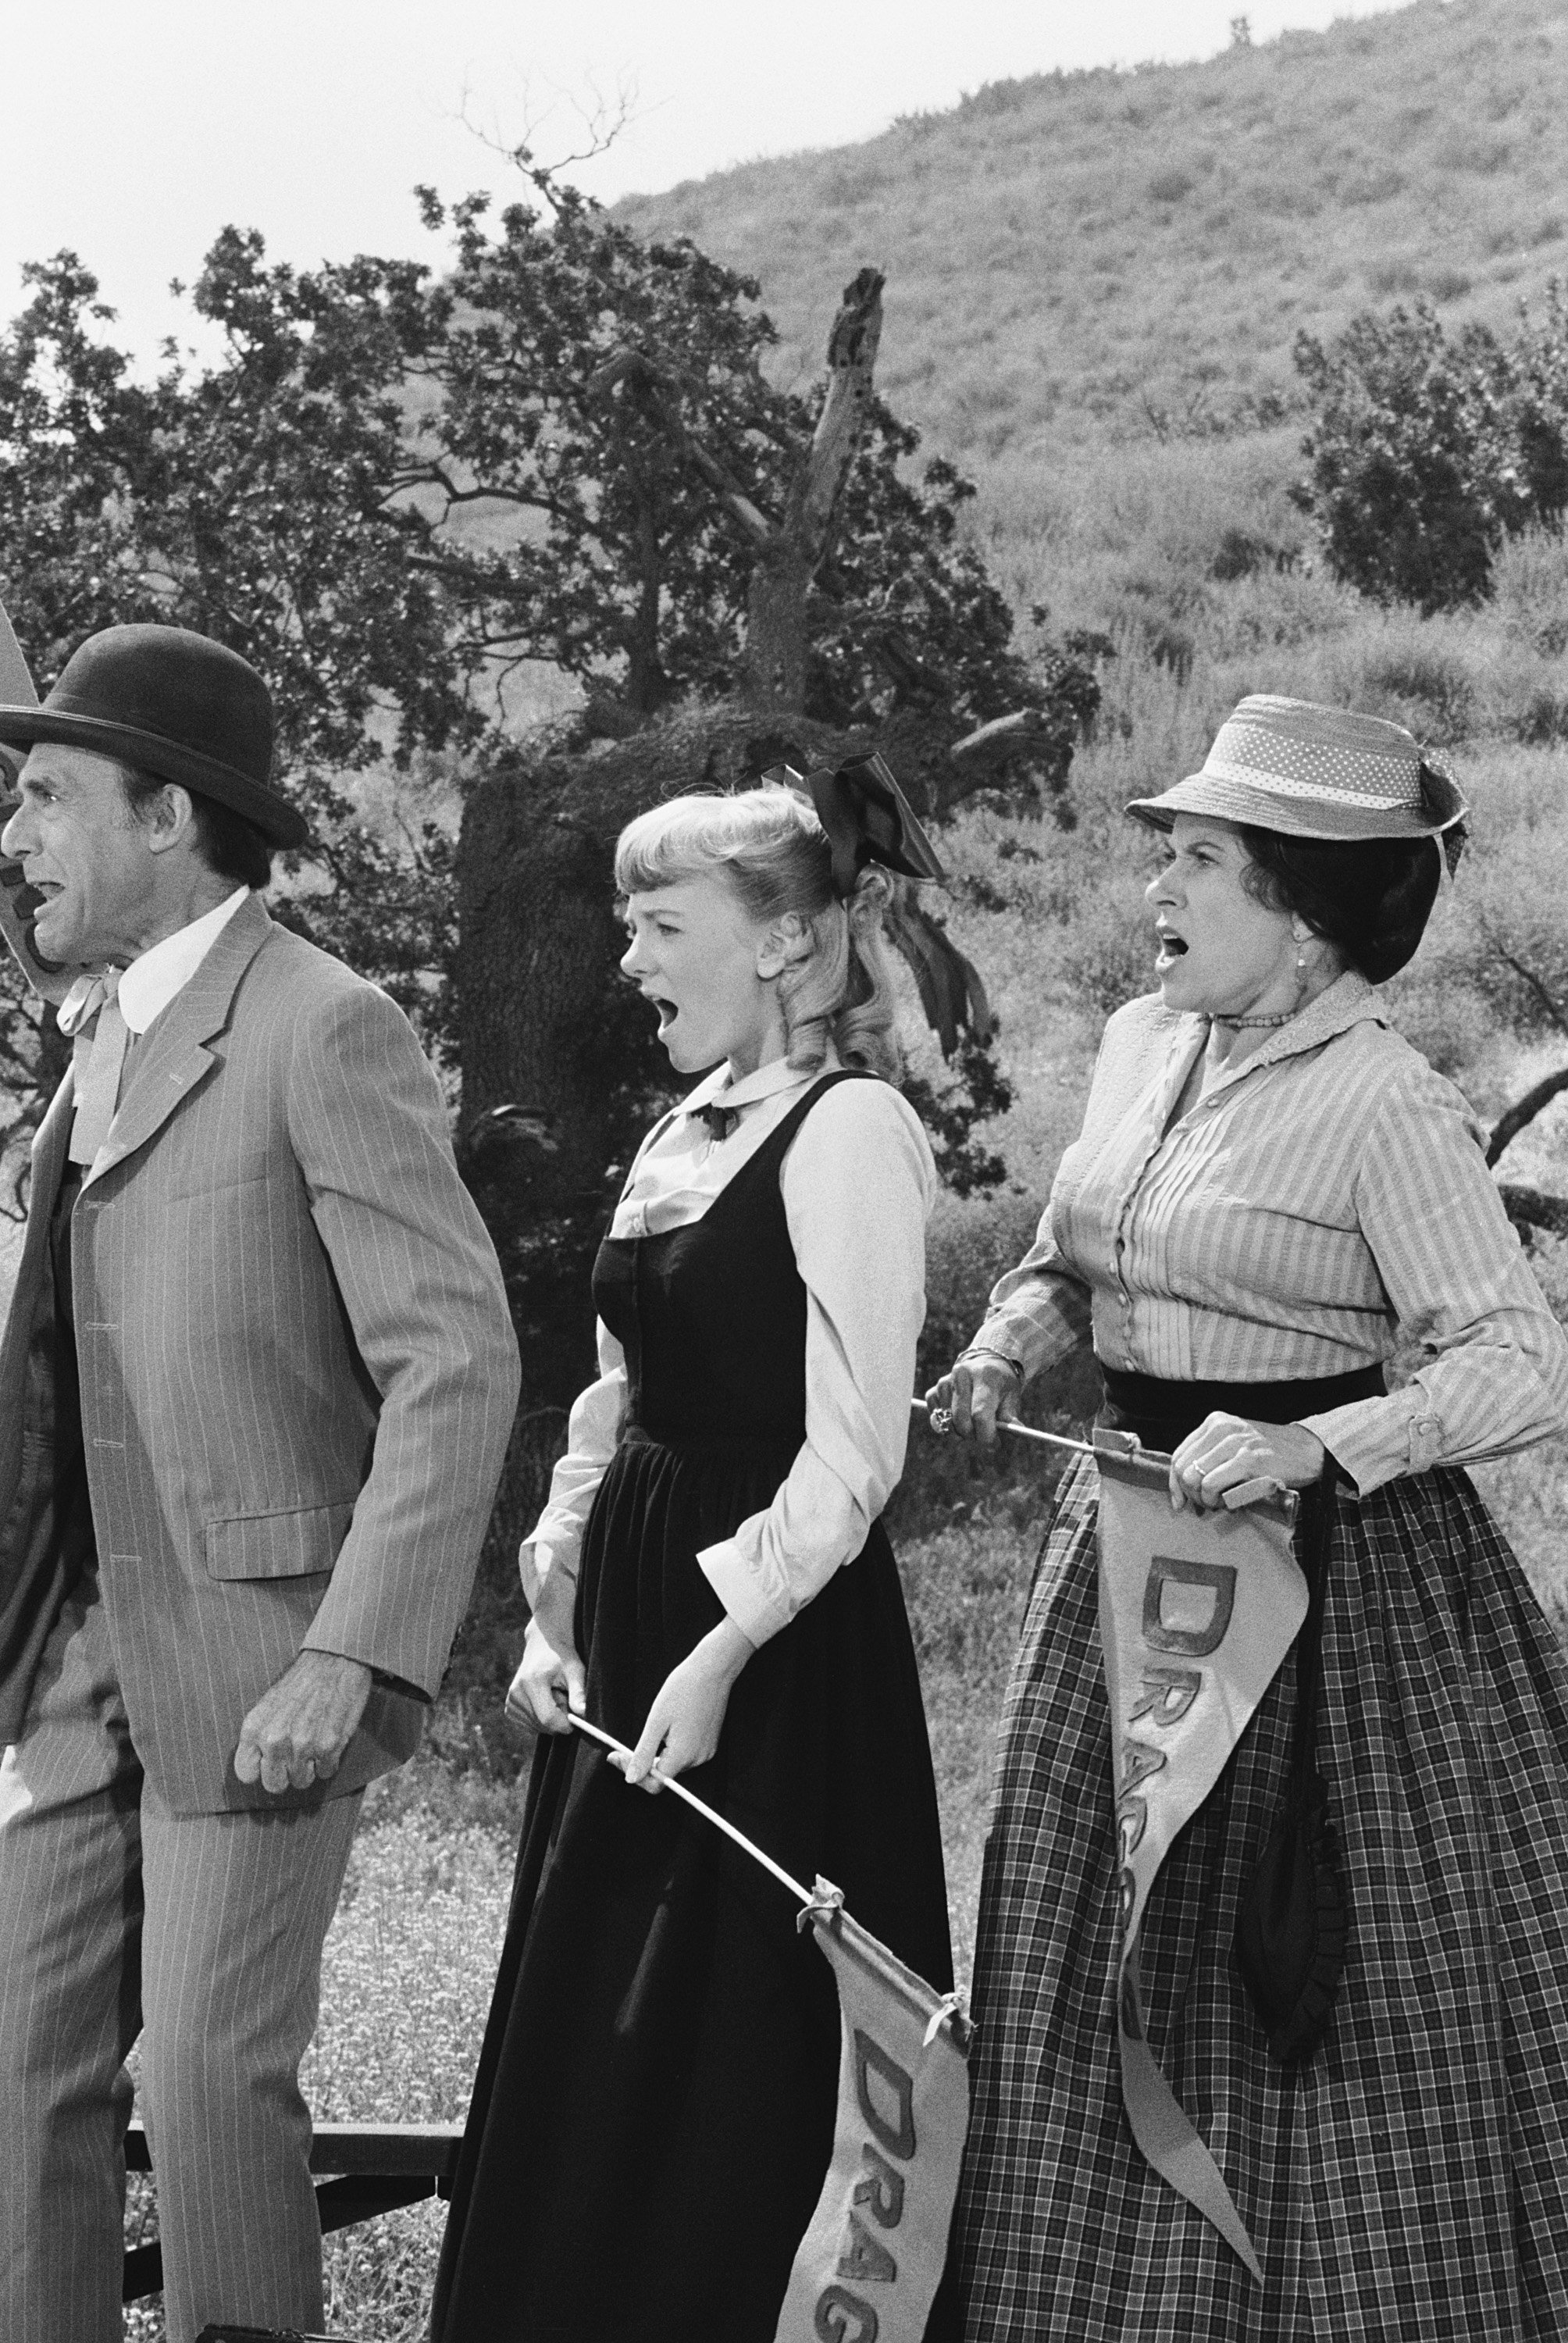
(1263, 1491)
(803, 1894)
(1019, 1431)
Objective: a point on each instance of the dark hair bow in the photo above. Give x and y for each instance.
(868, 819)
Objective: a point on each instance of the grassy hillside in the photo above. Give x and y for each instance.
(1070, 255)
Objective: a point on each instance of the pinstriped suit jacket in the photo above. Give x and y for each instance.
(297, 1368)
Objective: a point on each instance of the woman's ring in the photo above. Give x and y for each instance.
(941, 1420)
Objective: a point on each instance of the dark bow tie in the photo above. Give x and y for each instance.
(720, 1120)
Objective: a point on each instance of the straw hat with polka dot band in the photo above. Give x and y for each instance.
(1289, 766)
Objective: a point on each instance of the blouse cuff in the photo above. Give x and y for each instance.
(540, 1558)
(733, 1578)
(1378, 1440)
(552, 1602)
(1036, 1325)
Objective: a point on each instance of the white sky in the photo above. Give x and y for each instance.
(133, 130)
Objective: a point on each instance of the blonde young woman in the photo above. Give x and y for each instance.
(1273, 1195)
(653, 2116)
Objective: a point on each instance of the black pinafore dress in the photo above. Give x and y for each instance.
(653, 2113)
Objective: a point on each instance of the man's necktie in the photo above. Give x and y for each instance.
(99, 1061)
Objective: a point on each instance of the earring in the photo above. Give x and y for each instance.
(1302, 978)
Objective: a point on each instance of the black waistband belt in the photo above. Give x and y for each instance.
(1160, 1413)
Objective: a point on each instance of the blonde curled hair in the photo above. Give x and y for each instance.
(836, 989)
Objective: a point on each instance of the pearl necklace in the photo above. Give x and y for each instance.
(1253, 1020)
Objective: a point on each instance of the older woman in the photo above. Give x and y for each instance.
(1272, 1195)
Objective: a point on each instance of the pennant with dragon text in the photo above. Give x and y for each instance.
(1197, 1613)
(869, 2263)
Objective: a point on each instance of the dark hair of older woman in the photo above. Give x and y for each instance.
(1279, 1231)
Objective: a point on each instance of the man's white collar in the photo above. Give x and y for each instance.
(152, 979)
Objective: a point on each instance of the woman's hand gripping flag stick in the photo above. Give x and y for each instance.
(941, 1423)
(1250, 1493)
(618, 1749)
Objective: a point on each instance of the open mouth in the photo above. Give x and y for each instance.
(667, 1012)
(1173, 948)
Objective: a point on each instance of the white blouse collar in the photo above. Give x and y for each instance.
(768, 1081)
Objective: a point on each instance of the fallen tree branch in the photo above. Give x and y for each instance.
(1003, 737)
(1523, 1112)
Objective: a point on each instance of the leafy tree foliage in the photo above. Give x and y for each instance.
(976, 1092)
(1426, 452)
(589, 391)
(386, 487)
(562, 359)
(908, 616)
(254, 501)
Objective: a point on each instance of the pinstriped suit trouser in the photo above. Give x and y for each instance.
(201, 1933)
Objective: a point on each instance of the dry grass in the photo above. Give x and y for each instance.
(1074, 255)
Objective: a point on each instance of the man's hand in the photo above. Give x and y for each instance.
(1228, 1450)
(550, 1687)
(687, 1712)
(976, 1396)
(297, 1732)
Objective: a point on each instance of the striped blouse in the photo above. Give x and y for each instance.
(1326, 1203)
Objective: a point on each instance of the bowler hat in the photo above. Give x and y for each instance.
(1315, 772)
(173, 704)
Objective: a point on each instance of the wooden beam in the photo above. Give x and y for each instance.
(377, 2150)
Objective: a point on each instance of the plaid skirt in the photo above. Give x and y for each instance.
(1411, 2181)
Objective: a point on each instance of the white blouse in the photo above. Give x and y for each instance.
(858, 1183)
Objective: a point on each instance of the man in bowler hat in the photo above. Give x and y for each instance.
(256, 1386)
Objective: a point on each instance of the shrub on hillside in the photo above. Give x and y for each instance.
(1427, 453)
(1530, 589)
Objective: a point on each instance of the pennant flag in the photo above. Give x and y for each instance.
(871, 2261)
(1197, 1612)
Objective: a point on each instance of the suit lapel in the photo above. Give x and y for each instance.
(49, 1150)
(173, 1058)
